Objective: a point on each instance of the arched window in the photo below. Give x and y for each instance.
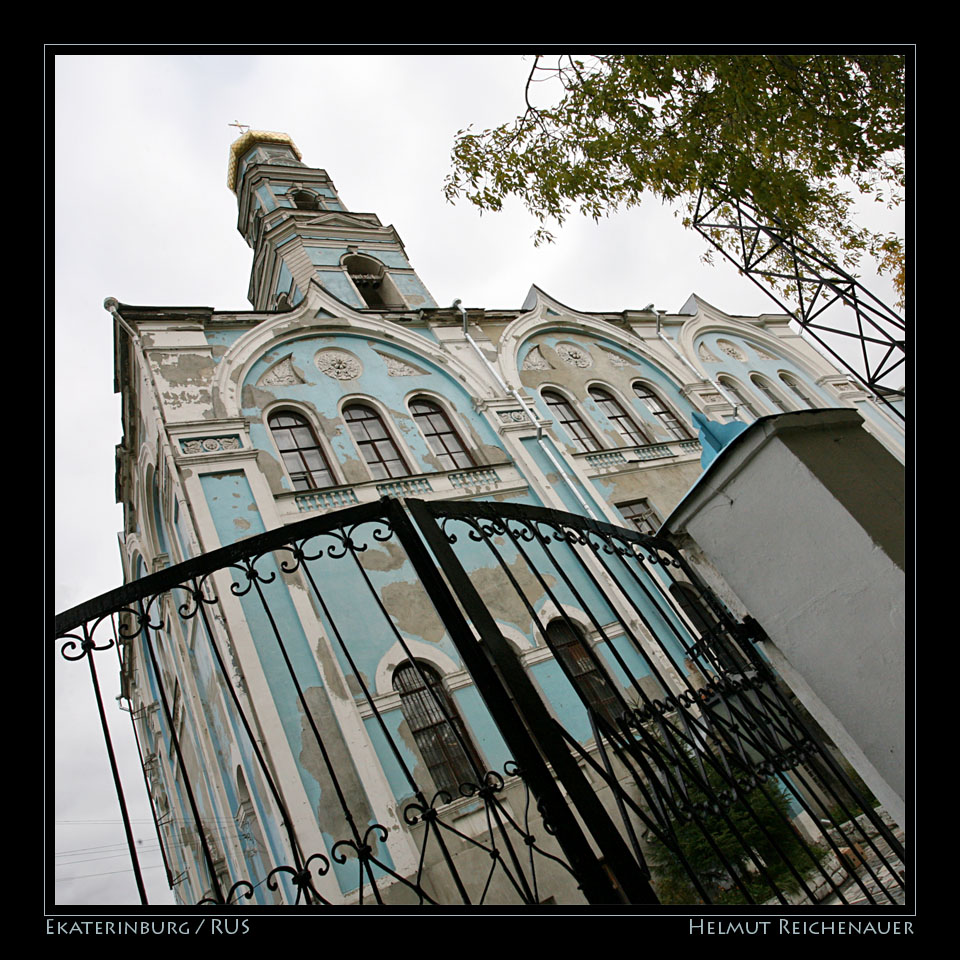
(736, 392)
(619, 417)
(375, 444)
(564, 413)
(442, 439)
(372, 281)
(798, 390)
(584, 671)
(303, 200)
(767, 390)
(668, 420)
(641, 514)
(436, 727)
(302, 455)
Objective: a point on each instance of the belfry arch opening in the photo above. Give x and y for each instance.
(372, 281)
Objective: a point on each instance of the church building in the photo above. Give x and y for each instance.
(411, 636)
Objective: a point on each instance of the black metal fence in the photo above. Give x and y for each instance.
(626, 741)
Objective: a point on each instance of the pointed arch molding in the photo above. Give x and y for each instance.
(710, 320)
(272, 335)
(551, 316)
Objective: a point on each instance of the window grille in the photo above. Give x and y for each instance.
(584, 671)
(436, 727)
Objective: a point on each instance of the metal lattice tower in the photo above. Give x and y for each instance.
(825, 293)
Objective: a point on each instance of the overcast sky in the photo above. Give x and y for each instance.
(143, 214)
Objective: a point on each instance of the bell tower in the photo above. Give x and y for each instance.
(301, 232)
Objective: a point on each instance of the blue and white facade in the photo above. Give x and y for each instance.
(544, 405)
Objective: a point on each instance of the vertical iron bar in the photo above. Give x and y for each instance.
(136, 740)
(89, 646)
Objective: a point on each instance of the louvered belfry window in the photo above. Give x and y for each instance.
(435, 730)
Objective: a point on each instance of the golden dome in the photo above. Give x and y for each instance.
(240, 146)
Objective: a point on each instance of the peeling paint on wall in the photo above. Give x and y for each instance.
(412, 611)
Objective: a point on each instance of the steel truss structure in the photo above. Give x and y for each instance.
(764, 249)
(696, 765)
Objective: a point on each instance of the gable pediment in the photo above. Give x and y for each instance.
(342, 221)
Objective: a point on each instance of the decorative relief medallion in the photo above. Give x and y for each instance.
(711, 398)
(574, 355)
(705, 354)
(535, 360)
(731, 351)
(338, 365)
(397, 368)
(211, 444)
(280, 374)
(762, 353)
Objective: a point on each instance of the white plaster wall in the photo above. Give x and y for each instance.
(830, 599)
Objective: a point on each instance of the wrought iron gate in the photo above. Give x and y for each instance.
(647, 751)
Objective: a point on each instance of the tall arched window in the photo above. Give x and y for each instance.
(442, 439)
(301, 452)
(563, 412)
(584, 672)
(375, 444)
(436, 727)
(736, 392)
(668, 420)
(767, 390)
(614, 412)
(799, 390)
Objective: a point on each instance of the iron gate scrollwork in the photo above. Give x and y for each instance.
(702, 754)
(640, 746)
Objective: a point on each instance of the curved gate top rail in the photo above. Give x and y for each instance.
(642, 717)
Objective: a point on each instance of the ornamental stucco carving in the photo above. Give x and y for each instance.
(210, 444)
(535, 360)
(763, 353)
(705, 354)
(615, 358)
(511, 416)
(574, 355)
(338, 365)
(397, 368)
(731, 351)
(280, 374)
